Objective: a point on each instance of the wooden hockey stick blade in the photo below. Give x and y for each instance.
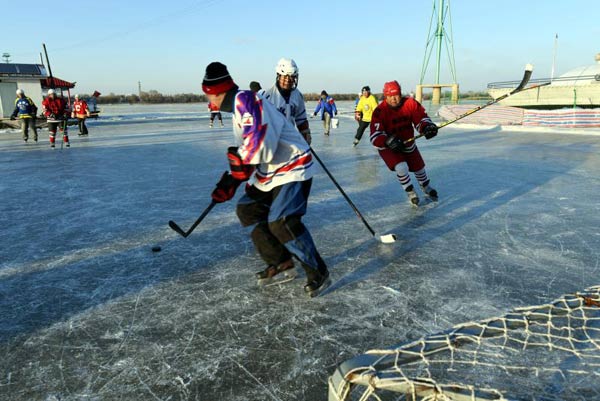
(388, 238)
(176, 228)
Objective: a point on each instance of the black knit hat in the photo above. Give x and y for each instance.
(323, 93)
(217, 79)
(255, 86)
(366, 88)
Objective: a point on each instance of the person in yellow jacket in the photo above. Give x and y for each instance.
(363, 112)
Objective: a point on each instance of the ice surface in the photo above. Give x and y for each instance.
(88, 311)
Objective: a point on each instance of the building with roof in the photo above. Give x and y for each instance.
(32, 78)
(579, 87)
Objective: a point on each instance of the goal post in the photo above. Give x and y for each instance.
(549, 351)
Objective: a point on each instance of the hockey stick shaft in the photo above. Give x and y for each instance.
(519, 88)
(184, 234)
(387, 238)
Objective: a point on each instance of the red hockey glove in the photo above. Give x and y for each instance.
(225, 189)
(239, 170)
(430, 131)
(395, 144)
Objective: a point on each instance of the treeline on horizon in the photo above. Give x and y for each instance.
(155, 97)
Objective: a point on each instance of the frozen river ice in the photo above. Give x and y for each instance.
(89, 312)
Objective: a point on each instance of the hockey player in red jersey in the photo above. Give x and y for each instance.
(393, 123)
(55, 110)
(80, 112)
(214, 112)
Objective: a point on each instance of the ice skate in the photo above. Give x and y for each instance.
(413, 198)
(279, 274)
(355, 142)
(317, 283)
(210, 125)
(429, 191)
(222, 125)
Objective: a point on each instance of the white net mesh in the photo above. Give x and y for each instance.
(543, 352)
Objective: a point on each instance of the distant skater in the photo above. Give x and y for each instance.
(25, 111)
(214, 113)
(392, 124)
(287, 98)
(256, 88)
(55, 110)
(273, 157)
(80, 112)
(326, 106)
(363, 112)
(92, 102)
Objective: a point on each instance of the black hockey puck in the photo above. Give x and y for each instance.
(156, 248)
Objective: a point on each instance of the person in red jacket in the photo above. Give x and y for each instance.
(80, 112)
(214, 112)
(391, 126)
(55, 110)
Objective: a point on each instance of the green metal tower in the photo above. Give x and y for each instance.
(437, 37)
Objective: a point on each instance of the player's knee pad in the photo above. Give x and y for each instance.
(287, 228)
(250, 213)
(401, 168)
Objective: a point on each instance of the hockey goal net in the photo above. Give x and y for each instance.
(542, 352)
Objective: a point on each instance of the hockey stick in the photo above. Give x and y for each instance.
(386, 239)
(519, 88)
(184, 234)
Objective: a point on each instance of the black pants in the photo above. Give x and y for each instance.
(82, 127)
(362, 126)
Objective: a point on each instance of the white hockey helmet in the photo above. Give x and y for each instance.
(286, 66)
(51, 92)
(20, 92)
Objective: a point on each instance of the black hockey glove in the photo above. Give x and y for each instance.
(13, 117)
(239, 170)
(395, 144)
(430, 131)
(225, 189)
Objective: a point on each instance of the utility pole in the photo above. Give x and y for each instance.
(6, 57)
(140, 89)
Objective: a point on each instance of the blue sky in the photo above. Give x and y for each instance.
(339, 46)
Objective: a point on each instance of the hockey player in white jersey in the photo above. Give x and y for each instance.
(277, 163)
(287, 98)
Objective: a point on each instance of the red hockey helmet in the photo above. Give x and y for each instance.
(391, 88)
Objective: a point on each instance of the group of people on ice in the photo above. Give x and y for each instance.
(56, 111)
(272, 153)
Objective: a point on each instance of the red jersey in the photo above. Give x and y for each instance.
(398, 121)
(213, 108)
(80, 108)
(56, 106)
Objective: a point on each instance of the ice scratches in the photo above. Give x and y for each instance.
(75, 256)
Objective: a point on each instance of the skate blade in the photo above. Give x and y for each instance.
(322, 288)
(281, 278)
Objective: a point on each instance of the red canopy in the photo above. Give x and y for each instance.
(56, 83)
